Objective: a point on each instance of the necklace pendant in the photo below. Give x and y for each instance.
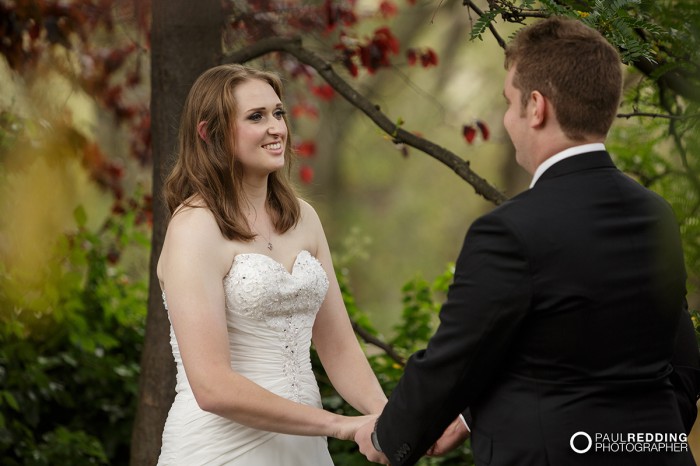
(269, 246)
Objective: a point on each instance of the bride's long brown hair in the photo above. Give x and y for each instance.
(208, 171)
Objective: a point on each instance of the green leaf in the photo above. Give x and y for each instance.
(10, 400)
(80, 216)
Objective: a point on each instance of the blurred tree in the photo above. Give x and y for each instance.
(185, 41)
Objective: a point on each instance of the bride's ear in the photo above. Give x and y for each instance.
(202, 130)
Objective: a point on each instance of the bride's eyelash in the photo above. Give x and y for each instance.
(257, 116)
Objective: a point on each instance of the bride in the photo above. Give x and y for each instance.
(248, 284)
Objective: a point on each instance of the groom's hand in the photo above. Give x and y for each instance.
(455, 434)
(363, 438)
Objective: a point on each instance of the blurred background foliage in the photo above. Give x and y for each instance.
(75, 184)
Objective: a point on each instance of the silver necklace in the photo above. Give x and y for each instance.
(269, 243)
(267, 238)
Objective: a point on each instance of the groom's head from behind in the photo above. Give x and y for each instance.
(574, 68)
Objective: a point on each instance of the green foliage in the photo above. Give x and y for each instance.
(421, 304)
(639, 29)
(670, 167)
(483, 23)
(619, 22)
(69, 351)
(555, 8)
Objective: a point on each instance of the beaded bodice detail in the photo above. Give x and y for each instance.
(259, 287)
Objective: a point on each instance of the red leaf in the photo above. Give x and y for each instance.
(350, 65)
(484, 129)
(388, 9)
(386, 39)
(331, 15)
(368, 58)
(115, 57)
(347, 16)
(336, 13)
(469, 133)
(412, 56)
(429, 58)
(113, 256)
(306, 149)
(118, 208)
(324, 91)
(303, 109)
(306, 174)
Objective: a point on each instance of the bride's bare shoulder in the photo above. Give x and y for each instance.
(307, 212)
(193, 237)
(191, 217)
(193, 224)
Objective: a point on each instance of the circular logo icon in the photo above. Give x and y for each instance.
(581, 450)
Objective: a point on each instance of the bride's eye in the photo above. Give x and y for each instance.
(257, 116)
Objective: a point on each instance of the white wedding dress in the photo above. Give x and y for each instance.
(269, 313)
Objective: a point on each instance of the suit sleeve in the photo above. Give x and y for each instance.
(486, 303)
(686, 370)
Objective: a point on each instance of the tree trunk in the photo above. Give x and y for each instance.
(185, 40)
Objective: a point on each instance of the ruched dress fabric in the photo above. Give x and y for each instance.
(270, 313)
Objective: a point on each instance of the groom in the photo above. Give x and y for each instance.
(565, 338)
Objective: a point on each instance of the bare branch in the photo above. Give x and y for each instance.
(514, 14)
(294, 47)
(371, 339)
(495, 33)
(671, 79)
(658, 115)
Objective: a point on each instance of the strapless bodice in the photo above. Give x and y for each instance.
(270, 313)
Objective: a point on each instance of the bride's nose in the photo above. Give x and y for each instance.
(277, 128)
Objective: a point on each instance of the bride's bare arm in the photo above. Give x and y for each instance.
(194, 260)
(335, 340)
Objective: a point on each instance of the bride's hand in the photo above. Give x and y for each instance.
(348, 425)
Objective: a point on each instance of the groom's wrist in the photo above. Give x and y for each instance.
(373, 436)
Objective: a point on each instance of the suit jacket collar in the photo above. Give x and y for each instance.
(585, 161)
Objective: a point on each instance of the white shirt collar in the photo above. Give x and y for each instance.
(565, 154)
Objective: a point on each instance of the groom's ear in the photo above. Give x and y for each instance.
(539, 109)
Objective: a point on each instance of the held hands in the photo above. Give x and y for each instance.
(455, 434)
(348, 425)
(364, 441)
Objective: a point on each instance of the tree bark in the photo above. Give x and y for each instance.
(185, 41)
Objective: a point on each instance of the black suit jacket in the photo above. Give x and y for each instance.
(566, 315)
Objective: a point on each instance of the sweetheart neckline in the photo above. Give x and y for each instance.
(281, 265)
(275, 261)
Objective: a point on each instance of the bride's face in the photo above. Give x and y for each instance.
(260, 132)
